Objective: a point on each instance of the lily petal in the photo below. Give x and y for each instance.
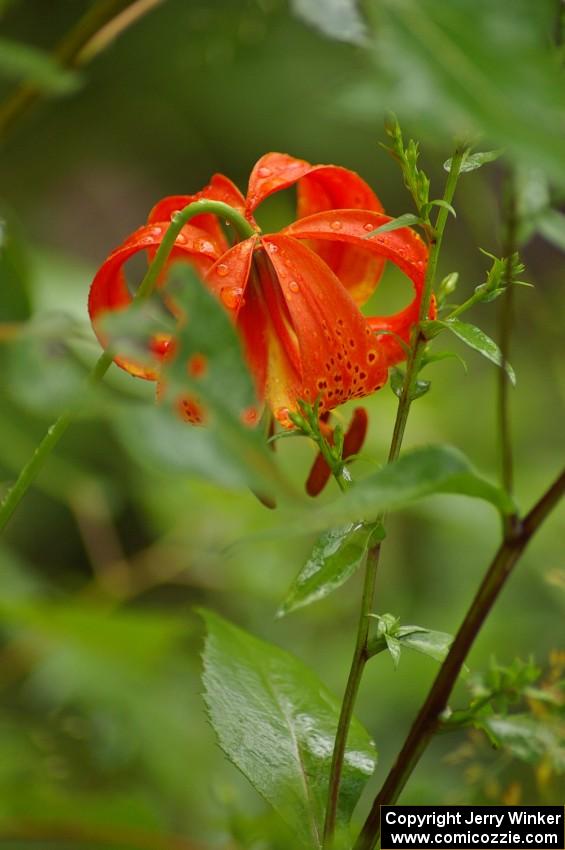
(338, 354)
(109, 292)
(403, 247)
(229, 280)
(323, 187)
(220, 188)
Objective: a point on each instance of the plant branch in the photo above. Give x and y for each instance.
(360, 654)
(31, 470)
(426, 723)
(91, 34)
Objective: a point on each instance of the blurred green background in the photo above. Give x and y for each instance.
(103, 736)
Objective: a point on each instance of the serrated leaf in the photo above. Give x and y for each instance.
(336, 556)
(406, 220)
(276, 722)
(417, 474)
(473, 161)
(477, 339)
(29, 64)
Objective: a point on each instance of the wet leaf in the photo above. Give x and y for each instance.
(336, 556)
(276, 722)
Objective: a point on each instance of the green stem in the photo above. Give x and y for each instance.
(414, 360)
(360, 654)
(360, 658)
(70, 53)
(30, 471)
(426, 723)
(505, 334)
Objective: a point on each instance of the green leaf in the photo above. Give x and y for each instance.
(406, 220)
(338, 19)
(434, 644)
(527, 738)
(276, 722)
(551, 225)
(475, 338)
(417, 474)
(22, 62)
(397, 378)
(472, 161)
(437, 356)
(225, 450)
(440, 202)
(393, 646)
(336, 556)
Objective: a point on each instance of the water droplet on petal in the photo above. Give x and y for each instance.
(222, 269)
(205, 246)
(336, 225)
(293, 286)
(272, 248)
(264, 172)
(368, 227)
(181, 239)
(156, 231)
(231, 296)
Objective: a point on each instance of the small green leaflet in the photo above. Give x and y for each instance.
(397, 377)
(472, 161)
(336, 556)
(394, 637)
(276, 722)
(475, 338)
(406, 220)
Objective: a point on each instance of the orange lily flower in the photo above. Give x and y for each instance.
(293, 295)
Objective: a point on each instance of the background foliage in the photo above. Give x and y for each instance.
(102, 730)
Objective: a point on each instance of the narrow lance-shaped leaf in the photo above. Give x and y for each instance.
(478, 340)
(336, 556)
(406, 220)
(276, 722)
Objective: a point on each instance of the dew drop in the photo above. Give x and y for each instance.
(222, 269)
(293, 286)
(272, 248)
(231, 296)
(368, 227)
(205, 246)
(181, 239)
(264, 171)
(336, 225)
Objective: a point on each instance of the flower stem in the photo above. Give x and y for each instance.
(505, 333)
(415, 357)
(426, 723)
(360, 654)
(32, 468)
